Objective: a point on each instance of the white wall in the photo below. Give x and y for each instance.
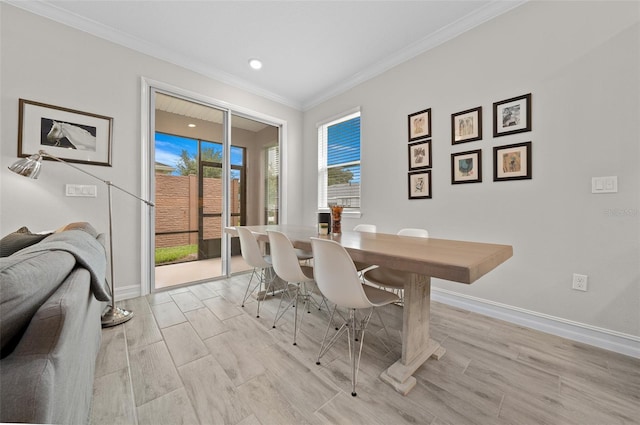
(44, 61)
(580, 61)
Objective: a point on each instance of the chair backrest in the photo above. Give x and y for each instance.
(336, 275)
(370, 228)
(419, 233)
(284, 260)
(250, 248)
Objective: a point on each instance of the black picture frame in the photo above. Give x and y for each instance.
(466, 126)
(71, 135)
(512, 162)
(420, 155)
(512, 116)
(419, 125)
(419, 185)
(466, 167)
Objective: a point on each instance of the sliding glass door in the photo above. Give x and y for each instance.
(213, 168)
(262, 181)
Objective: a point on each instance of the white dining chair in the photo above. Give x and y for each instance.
(391, 279)
(288, 268)
(303, 256)
(338, 280)
(418, 233)
(366, 228)
(371, 228)
(262, 268)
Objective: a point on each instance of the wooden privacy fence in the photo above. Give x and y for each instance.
(177, 213)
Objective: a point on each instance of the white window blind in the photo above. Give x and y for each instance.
(272, 184)
(339, 162)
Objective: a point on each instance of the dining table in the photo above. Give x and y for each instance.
(422, 259)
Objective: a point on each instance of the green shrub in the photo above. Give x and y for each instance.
(174, 253)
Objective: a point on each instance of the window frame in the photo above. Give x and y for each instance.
(323, 168)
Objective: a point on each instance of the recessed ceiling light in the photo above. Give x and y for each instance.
(191, 125)
(255, 63)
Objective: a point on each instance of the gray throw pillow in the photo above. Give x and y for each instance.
(18, 240)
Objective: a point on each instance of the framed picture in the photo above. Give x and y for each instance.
(420, 155)
(420, 185)
(71, 135)
(420, 125)
(512, 162)
(512, 116)
(466, 126)
(466, 167)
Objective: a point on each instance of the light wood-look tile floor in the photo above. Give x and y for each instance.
(193, 356)
(195, 271)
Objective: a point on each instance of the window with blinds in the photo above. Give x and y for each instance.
(339, 162)
(272, 185)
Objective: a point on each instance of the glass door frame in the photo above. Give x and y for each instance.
(201, 205)
(149, 88)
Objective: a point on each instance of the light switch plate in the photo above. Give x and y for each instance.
(82, 190)
(608, 184)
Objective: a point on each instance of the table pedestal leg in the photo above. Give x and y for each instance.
(417, 347)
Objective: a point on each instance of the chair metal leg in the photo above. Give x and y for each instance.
(295, 317)
(281, 312)
(355, 335)
(295, 302)
(301, 295)
(307, 299)
(324, 348)
(324, 301)
(248, 293)
(358, 329)
(269, 283)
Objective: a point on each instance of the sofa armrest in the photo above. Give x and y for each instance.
(49, 376)
(28, 281)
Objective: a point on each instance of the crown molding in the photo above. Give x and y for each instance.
(50, 11)
(462, 25)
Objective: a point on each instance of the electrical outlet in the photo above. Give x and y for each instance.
(579, 282)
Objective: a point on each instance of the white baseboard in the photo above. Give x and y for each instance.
(127, 292)
(599, 337)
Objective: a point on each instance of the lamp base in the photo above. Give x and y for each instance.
(115, 316)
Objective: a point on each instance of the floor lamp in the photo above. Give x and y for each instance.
(30, 167)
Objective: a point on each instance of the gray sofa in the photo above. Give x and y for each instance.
(52, 294)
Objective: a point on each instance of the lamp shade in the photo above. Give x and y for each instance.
(28, 167)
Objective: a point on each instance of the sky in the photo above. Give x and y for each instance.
(168, 149)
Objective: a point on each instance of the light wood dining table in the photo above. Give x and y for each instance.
(424, 258)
